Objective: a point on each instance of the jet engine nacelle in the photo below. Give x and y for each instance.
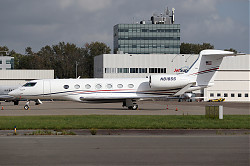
(168, 81)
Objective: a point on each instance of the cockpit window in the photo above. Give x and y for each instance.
(29, 84)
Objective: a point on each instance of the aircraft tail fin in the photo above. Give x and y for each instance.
(204, 69)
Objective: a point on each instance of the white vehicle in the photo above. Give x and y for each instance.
(4, 90)
(127, 90)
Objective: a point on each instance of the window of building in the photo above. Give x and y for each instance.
(239, 95)
(211, 95)
(110, 70)
(133, 70)
(218, 95)
(119, 86)
(225, 95)
(66, 86)
(122, 70)
(1, 62)
(157, 70)
(232, 95)
(77, 86)
(109, 86)
(8, 62)
(130, 85)
(246, 94)
(142, 70)
(87, 86)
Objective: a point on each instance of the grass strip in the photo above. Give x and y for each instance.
(124, 122)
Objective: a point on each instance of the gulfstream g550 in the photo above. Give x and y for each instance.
(127, 90)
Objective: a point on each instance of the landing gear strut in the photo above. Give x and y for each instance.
(131, 104)
(27, 106)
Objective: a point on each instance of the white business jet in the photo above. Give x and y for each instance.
(127, 90)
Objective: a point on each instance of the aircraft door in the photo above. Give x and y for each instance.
(46, 88)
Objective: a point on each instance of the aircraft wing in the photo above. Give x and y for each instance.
(183, 90)
(6, 97)
(118, 99)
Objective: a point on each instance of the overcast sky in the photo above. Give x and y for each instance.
(37, 23)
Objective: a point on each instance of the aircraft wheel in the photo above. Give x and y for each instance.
(134, 107)
(16, 102)
(26, 107)
(130, 107)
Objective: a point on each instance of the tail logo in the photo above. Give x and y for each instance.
(182, 70)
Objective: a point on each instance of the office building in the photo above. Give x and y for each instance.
(158, 36)
(6, 63)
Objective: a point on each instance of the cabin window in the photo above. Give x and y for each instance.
(225, 95)
(246, 94)
(211, 95)
(130, 85)
(109, 86)
(98, 86)
(29, 84)
(77, 86)
(239, 95)
(232, 94)
(119, 86)
(218, 95)
(66, 86)
(87, 86)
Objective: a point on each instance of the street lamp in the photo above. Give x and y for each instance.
(76, 68)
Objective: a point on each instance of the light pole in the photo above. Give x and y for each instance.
(76, 68)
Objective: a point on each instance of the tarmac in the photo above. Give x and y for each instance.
(145, 108)
(125, 150)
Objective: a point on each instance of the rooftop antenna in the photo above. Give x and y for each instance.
(173, 9)
(167, 11)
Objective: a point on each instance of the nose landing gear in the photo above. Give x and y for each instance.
(27, 105)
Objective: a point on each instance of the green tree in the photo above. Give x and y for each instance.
(62, 58)
(189, 48)
(90, 51)
(3, 49)
(232, 50)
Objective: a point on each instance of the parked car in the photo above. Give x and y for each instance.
(217, 100)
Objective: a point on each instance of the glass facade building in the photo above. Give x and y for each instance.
(147, 38)
(6, 63)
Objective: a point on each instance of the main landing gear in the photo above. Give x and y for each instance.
(131, 104)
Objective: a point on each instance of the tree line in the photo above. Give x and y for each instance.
(63, 57)
(189, 48)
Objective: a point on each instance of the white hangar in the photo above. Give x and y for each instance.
(20, 77)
